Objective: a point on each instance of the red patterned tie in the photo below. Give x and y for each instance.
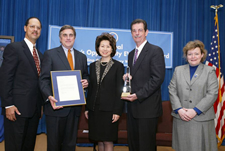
(36, 60)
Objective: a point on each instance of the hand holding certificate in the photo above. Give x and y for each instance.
(53, 101)
(67, 88)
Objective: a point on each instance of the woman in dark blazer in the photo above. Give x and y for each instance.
(104, 105)
(193, 91)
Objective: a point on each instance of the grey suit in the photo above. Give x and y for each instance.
(201, 92)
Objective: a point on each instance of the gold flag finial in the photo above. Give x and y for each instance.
(216, 7)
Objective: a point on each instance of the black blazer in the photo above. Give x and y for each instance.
(147, 76)
(19, 80)
(111, 89)
(56, 60)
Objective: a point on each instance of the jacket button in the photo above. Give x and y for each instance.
(190, 89)
(190, 101)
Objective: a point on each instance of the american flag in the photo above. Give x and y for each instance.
(213, 59)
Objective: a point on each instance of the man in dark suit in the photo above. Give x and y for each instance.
(147, 69)
(62, 122)
(20, 93)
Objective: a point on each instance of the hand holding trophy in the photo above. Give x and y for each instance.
(127, 84)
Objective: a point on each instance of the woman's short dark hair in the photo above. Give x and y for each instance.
(110, 38)
(192, 45)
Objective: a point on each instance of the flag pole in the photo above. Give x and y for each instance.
(216, 7)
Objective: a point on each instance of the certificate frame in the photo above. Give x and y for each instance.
(58, 92)
(8, 39)
(4, 41)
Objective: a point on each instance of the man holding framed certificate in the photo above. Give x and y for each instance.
(62, 122)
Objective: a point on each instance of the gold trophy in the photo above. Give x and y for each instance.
(127, 84)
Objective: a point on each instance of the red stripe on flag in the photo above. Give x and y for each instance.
(219, 118)
(217, 72)
(216, 104)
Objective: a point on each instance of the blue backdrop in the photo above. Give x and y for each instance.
(85, 42)
(187, 19)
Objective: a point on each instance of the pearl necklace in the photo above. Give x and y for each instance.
(105, 63)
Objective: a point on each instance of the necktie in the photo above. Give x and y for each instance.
(70, 60)
(135, 56)
(36, 60)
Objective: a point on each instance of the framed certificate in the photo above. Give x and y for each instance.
(67, 88)
(4, 41)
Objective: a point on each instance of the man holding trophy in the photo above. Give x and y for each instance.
(147, 71)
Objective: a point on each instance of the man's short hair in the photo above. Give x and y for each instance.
(136, 21)
(27, 21)
(67, 27)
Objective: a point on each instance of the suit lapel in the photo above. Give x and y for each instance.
(107, 68)
(77, 59)
(186, 73)
(62, 56)
(40, 55)
(130, 60)
(197, 73)
(29, 56)
(139, 60)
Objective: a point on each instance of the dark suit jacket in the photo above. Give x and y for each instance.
(56, 60)
(19, 80)
(147, 76)
(111, 89)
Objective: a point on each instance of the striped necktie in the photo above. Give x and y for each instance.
(36, 60)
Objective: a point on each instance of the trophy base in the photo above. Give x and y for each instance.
(125, 94)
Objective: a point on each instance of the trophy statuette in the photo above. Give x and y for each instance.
(127, 84)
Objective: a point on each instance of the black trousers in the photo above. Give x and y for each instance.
(62, 132)
(20, 135)
(141, 133)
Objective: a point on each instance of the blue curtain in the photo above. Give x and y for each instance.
(187, 19)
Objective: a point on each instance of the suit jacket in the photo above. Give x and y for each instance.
(111, 87)
(147, 76)
(19, 80)
(201, 91)
(56, 60)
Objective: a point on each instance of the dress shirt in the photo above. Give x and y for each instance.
(140, 49)
(31, 47)
(71, 51)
